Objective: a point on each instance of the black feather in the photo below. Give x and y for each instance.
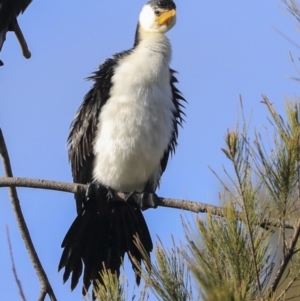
(178, 120)
(84, 126)
(9, 10)
(101, 236)
(164, 4)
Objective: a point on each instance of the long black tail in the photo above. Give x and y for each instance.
(100, 236)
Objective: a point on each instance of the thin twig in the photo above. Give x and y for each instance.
(14, 266)
(251, 238)
(287, 287)
(44, 282)
(191, 206)
(286, 259)
(293, 297)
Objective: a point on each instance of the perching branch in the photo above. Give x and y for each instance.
(45, 284)
(191, 206)
(42, 184)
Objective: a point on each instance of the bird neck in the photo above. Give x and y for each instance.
(155, 41)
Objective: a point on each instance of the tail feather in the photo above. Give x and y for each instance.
(99, 237)
(135, 219)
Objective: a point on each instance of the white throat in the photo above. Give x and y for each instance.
(148, 21)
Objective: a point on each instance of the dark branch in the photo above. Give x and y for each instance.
(45, 284)
(164, 202)
(286, 259)
(42, 184)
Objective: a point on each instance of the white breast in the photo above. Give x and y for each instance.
(136, 123)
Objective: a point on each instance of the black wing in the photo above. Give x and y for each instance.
(84, 126)
(178, 120)
(9, 10)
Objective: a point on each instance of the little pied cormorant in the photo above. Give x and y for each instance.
(121, 139)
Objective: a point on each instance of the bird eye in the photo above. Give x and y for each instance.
(157, 12)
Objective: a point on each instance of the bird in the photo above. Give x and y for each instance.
(120, 140)
(9, 11)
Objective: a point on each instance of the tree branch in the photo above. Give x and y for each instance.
(196, 207)
(287, 288)
(44, 282)
(286, 259)
(42, 184)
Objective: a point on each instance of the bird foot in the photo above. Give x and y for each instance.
(143, 200)
(96, 190)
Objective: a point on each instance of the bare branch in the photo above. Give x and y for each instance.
(287, 288)
(13, 266)
(286, 259)
(42, 184)
(45, 284)
(293, 297)
(191, 206)
(42, 295)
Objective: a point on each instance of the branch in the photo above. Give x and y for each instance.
(44, 282)
(42, 184)
(287, 288)
(286, 259)
(191, 206)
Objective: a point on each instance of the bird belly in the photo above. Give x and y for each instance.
(135, 129)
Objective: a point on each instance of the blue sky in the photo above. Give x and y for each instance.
(221, 49)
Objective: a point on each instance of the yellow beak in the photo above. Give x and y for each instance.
(166, 17)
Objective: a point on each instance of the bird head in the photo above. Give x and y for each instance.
(158, 16)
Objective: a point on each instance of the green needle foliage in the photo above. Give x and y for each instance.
(280, 171)
(113, 288)
(168, 277)
(110, 289)
(221, 257)
(229, 255)
(232, 257)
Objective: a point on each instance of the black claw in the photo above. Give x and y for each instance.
(90, 192)
(143, 200)
(98, 191)
(133, 198)
(110, 192)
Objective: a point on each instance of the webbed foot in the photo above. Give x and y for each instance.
(96, 190)
(143, 200)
